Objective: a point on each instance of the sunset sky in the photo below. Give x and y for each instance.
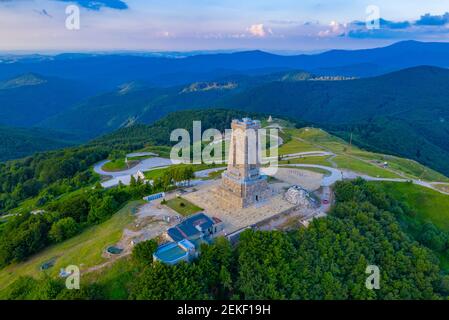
(185, 25)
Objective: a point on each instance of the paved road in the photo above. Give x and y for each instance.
(338, 175)
(335, 174)
(144, 165)
(126, 178)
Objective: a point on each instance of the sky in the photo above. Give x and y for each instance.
(186, 25)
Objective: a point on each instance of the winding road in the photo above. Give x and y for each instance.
(339, 175)
(336, 174)
(144, 165)
(124, 176)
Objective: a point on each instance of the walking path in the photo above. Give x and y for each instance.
(338, 175)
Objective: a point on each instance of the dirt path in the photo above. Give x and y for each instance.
(150, 222)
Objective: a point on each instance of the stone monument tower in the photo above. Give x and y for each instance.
(242, 184)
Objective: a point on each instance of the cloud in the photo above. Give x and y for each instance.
(98, 4)
(335, 29)
(426, 25)
(89, 4)
(433, 20)
(385, 24)
(394, 24)
(259, 30)
(375, 34)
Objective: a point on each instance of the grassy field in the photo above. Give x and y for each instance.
(84, 250)
(410, 168)
(114, 279)
(322, 138)
(416, 169)
(442, 187)
(359, 166)
(182, 206)
(119, 165)
(307, 160)
(162, 151)
(139, 158)
(157, 173)
(347, 157)
(430, 205)
(31, 204)
(295, 146)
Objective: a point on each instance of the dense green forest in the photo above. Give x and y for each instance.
(395, 137)
(29, 99)
(64, 217)
(53, 173)
(60, 182)
(158, 133)
(18, 143)
(327, 260)
(48, 174)
(403, 113)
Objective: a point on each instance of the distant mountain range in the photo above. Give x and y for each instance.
(27, 100)
(19, 142)
(104, 72)
(404, 112)
(396, 104)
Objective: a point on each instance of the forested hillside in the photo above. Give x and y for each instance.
(159, 132)
(28, 99)
(19, 142)
(404, 113)
(327, 260)
(51, 174)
